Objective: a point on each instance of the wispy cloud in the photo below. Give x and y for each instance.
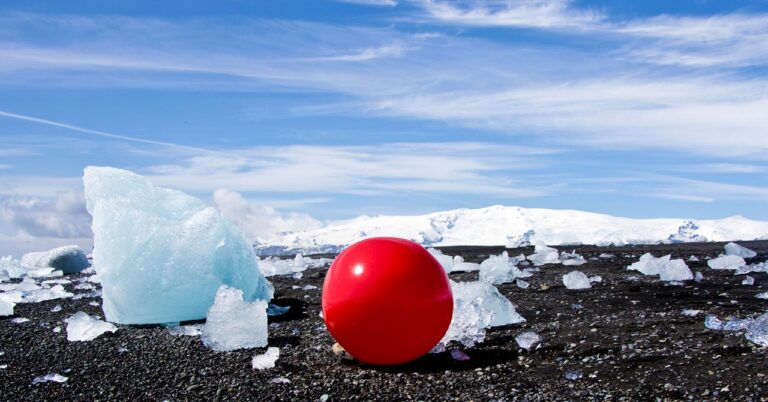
(556, 14)
(388, 3)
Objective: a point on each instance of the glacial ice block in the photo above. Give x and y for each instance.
(161, 254)
(738, 250)
(68, 259)
(576, 280)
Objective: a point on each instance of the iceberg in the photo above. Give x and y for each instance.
(576, 280)
(82, 327)
(476, 306)
(727, 262)
(68, 259)
(234, 323)
(739, 251)
(161, 254)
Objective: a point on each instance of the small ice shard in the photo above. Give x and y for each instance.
(498, 269)
(82, 327)
(693, 258)
(674, 270)
(122, 349)
(712, 322)
(577, 306)
(459, 355)
(522, 284)
(749, 281)
(280, 380)
(544, 255)
(84, 286)
(51, 377)
(573, 375)
(40, 295)
(460, 266)
(698, 277)
(606, 255)
(576, 280)
(266, 360)
(20, 320)
(309, 287)
(595, 279)
(726, 262)
(186, 330)
(572, 258)
(476, 306)
(95, 293)
(6, 306)
(763, 295)
(161, 254)
(271, 266)
(56, 308)
(745, 269)
(739, 251)
(757, 332)
(521, 240)
(27, 285)
(446, 261)
(275, 310)
(57, 329)
(68, 259)
(690, 312)
(528, 340)
(233, 323)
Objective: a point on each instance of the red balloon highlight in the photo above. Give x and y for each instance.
(387, 301)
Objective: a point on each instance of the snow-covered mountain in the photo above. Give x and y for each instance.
(515, 226)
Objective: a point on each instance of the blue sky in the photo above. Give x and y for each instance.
(299, 112)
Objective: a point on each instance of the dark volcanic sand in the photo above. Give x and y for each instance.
(629, 341)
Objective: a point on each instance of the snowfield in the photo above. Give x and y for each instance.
(515, 226)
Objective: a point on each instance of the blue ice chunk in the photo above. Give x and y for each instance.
(161, 254)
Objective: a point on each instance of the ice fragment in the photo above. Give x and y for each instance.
(576, 280)
(233, 323)
(82, 327)
(528, 340)
(266, 360)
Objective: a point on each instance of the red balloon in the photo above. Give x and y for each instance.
(387, 300)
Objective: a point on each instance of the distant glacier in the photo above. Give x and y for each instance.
(514, 227)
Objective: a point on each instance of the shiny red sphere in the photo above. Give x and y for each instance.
(387, 301)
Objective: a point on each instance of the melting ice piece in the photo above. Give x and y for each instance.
(233, 323)
(649, 265)
(445, 260)
(544, 255)
(499, 269)
(82, 327)
(161, 254)
(476, 306)
(745, 269)
(275, 310)
(739, 251)
(763, 295)
(693, 258)
(757, 332)
(595, 279)
(186, 330)
(68, 259)
(522, 284)
(266, 360)
(726, 262)
(712, 322)
(572, 258)
(576, 280)
(606, 255)
(271, 266)
(460, 266)
(43, 294)
(674, 270)
(749, 281)
(6, 307)
(698, 277)
(573, 375)
(50, 377)
(459, 355)
(527, 340)
(690, 312)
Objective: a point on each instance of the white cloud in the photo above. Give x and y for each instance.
(22, 242)
(64, 216)
(260, 223)
(367, 54)
(556, 14)
(388, 3)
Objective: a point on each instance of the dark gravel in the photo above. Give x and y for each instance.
(629, 342)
